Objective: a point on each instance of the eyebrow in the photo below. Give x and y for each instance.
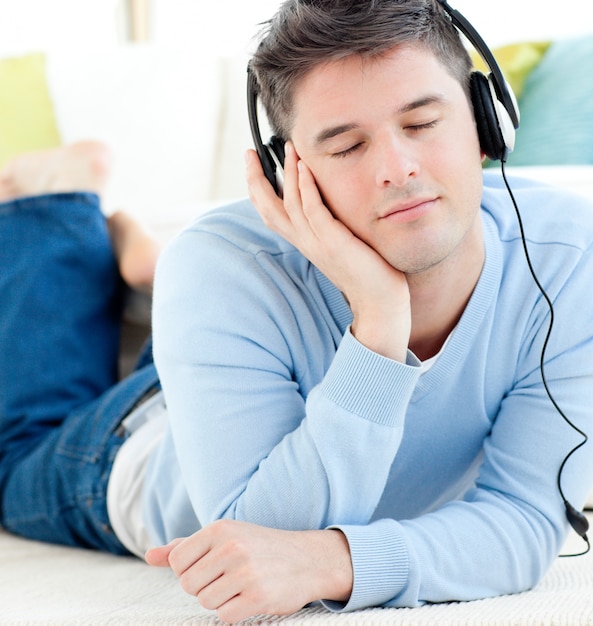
(334, 131)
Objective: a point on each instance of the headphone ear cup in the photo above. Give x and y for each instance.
(276, 145)
(275, 154)
(267, 163)
(271, 156)
(489, 133)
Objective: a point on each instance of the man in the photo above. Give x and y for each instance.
(355, 410)
(380, 373)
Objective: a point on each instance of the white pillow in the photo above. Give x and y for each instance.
(158, 108)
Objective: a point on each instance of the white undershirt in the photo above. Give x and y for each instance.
(146, 425)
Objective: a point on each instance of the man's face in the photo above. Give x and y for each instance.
(393, 147)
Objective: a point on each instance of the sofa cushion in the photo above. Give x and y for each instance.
(516, 61)
(160, 110)
(27, 119)
(557, 107)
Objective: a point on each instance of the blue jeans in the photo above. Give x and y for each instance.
(60, 399)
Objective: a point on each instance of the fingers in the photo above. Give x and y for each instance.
(291, 183)
(293, 202)
(159, 556)
(207, 567)
(319, 218)
(257, 182)
(192, 562)
(262, 195)
(188, 552)
(290, 216)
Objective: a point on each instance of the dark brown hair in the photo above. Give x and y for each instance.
(305, 33)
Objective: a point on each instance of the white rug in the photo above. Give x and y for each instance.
(46, 584)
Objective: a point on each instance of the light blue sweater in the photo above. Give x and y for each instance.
(444, 483)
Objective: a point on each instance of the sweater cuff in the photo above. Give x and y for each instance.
(380, 563)
(368, 384)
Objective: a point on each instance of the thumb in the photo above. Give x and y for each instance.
(159, 556)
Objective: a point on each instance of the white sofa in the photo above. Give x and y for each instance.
(176, 121)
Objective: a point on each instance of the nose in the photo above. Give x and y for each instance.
(395, 161)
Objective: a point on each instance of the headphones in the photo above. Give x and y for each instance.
(495, 108)
(270, 155)
(495, 105)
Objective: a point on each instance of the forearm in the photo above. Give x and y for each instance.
(382, 330)
(331, 575)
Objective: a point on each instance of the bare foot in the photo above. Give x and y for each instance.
(135, 249)
(81, 166)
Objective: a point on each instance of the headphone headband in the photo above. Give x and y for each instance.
(252, 93)
(500, 84)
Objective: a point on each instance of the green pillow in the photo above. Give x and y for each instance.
(557, 107)
(27, 120)
(516, 61)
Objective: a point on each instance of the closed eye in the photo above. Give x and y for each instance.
(345, 153)
(424, 126)
(414, 128)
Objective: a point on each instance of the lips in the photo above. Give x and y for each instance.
(410, 209)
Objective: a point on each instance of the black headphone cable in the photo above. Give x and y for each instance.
(577, 520)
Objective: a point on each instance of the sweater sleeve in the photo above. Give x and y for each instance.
(252, 441)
